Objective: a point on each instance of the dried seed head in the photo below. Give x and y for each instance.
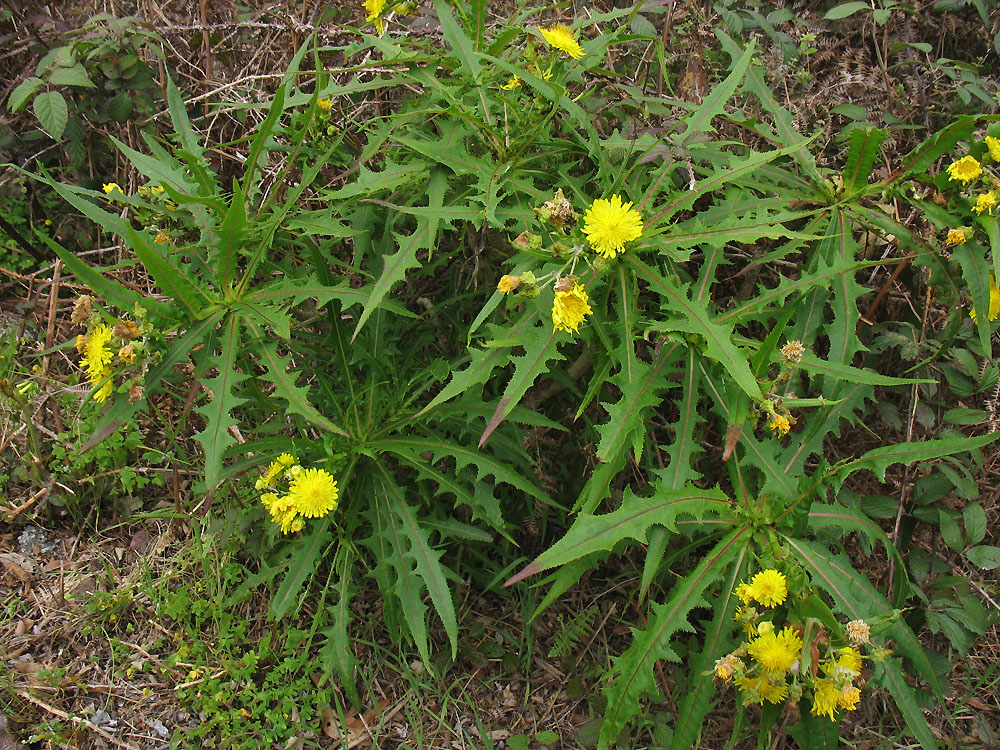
(793, 351)
(82, 309)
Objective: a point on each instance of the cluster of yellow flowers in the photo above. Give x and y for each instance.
(968, 170)
(102, 345)
(312, 493)
(608, 225)
(768, 666)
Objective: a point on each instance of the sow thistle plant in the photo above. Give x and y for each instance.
(282, 297)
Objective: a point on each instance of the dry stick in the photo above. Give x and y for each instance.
(50, 327)
(77, 720)
(903, 263)
(911, 418)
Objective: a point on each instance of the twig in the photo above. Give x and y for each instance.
(77, 720)
(50, 327)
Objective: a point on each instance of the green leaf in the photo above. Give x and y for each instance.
(784, 124)
(878, 460)
(839, 249)
(626, 423)
(24, 91)
(838, 517)
(700, 120)
(680, 468)
(485, 464)
(984, 556)
(815, 732)
(188, 139)
(976, 274)
(861, 155)
(718, 640)
(941, 143)
(631, 521)
(694, 318)
(632, 673)
(718, 179)
(975, 522)
(73, 76)
(120, 107)
(107, 286)
(168, 276)
(216, 436)
(231, 233)
(295, 291)
(844, 10)
(52, 112)
(301, 562)
(338, 650)
(540, 351)
(296, 397)
(394, 269)
(484, 361)
(890, 675)
(458, 41)
(416, 565)
(840, 371)
(255, 159)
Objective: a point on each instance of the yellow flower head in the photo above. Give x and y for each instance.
(769, 587)
(965, 169)
(102, 393)
(570, 308)
(97, 355)
(375, 9)
(512, 83)
(955, 237)
(776, 652)
(994, 302)
(993, 144)
(849, 697)
(324, 105)
(763, 688)
(744, 593)
(609, 224)
(282, 509)
(985, 202)
(508, 284)
(725, 667)
(826, 698)
(563, 39)
(286, 459)
(747, 617)
(127, 354)
(849, 661)
(267, 479)
(314, 493)
(779, 425)
(161, 238)
(109, 186)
